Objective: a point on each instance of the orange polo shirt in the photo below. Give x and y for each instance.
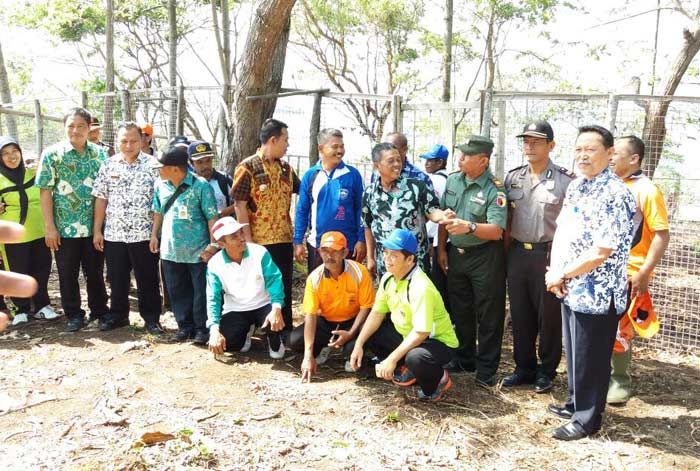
(338, 300)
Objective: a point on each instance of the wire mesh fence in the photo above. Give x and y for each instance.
(199, 112)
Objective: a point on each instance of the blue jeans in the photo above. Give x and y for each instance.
(187, 288)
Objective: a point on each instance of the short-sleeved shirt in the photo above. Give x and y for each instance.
(535, 205)
(597, 212)
(651, 216)
(185, 229)
(71, 176)
(415, 306)
(404, 207)
(267, 189)
(482, 201)
(128, 189)
(338, 300)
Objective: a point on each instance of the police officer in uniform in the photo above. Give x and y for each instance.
(535, 195)
(475, 260)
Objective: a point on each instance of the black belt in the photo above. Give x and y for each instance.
(472, 248)
(539, 246)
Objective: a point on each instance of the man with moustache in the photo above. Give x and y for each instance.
(535, 194)
(337, 299)
(330, 199)
(123, 192)
(588, 273)
(202, 161)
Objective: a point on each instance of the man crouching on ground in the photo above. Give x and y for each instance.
(337, 299)
(417, 338)
(245, 278)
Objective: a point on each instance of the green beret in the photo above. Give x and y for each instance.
(476, 145)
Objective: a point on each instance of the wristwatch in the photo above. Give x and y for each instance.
(472, 227)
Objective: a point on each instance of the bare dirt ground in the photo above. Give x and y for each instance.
(84, 402)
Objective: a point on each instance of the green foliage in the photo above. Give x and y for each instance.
(69, 20)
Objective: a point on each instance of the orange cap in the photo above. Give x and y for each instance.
(333, 240)
(147, 129)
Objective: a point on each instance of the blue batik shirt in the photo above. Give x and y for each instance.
(597, 212)
(185, 228)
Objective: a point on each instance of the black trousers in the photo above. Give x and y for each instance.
(477, 290)
(588, 341)
(534, 312)
(121, 258)
(70, 257)
(283, 256)
(324, 333)
(425, 361)
(187, 287)
(31, 258)
(234, 326)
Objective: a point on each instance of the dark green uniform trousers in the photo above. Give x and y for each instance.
(476, 283)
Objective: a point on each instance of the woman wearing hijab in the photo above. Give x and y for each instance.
(19, 202)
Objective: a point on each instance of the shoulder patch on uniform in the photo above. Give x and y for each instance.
(567, 172)
(517, 168)
(501, 199)
(497, 182)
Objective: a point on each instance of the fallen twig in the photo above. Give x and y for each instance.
(27, 406)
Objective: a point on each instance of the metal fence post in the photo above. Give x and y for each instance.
(39, 128)
(613, 102)
(501, 148)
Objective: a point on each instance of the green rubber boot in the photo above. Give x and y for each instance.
(620, 389)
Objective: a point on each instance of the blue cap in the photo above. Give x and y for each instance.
(401, 239)
(438, 151)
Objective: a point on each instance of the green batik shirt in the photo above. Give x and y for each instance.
(70, 176)
(482, 201)
(185, 229)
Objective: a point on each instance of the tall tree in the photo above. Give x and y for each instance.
(654, 132)
(447, 54)
(265, 38)
(6, 96)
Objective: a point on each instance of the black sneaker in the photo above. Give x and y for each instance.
(457, 367)
(183, 334)
(107, 323)
(201, 337)
(75, 324)
(154, 328)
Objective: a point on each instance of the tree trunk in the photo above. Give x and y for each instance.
(172, 62)
(654, 132)
(447, 53)
(108, 118)
(274, 83)
(6, 97)
(261, 49)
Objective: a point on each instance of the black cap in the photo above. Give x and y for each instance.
(179, 141)
(538, 129)
(175, 156)
(199, 150)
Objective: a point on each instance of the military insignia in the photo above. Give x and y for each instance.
(549, 174)
(477, 200)
(516, 185)
(201, 148)
(567, 172)
(501, 199)
(480, 194)
(532, 127)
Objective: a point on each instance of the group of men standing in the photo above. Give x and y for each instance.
(440, 302)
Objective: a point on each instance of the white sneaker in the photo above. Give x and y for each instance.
(47, 313)
(348, 367)
(21, 318)
(323, 355)
(278, 354)
(248, 342)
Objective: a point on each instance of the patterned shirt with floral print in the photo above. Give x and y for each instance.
(597, 212)
(403, 207)
(128, 189)
(71, 177)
